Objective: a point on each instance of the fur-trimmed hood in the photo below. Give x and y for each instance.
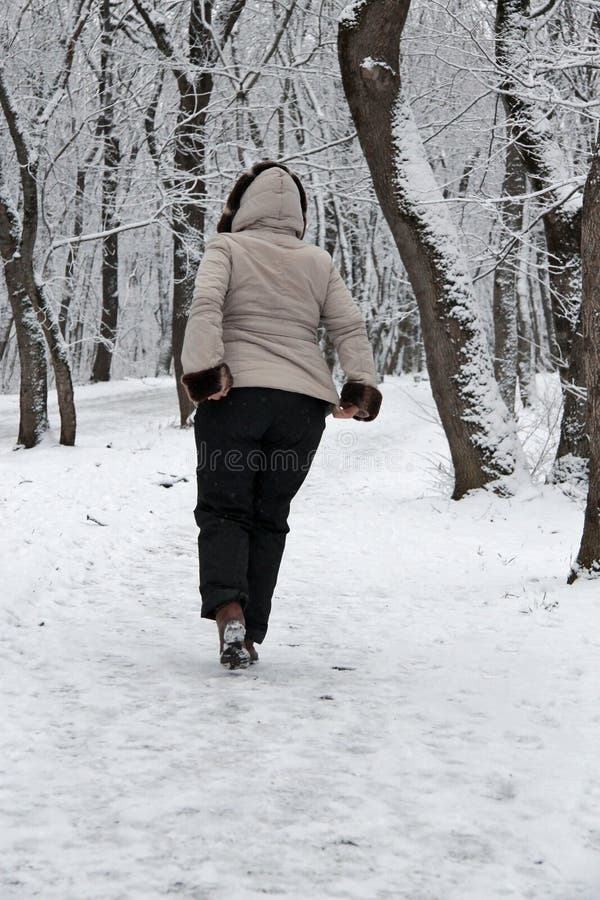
(271, 201)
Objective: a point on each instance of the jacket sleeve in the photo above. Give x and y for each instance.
(344, 324)
(202, 356)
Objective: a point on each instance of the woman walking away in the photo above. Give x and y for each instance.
(251, 349)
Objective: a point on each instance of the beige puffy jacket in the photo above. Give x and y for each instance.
(259, 297)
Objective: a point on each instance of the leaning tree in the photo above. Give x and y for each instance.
(479, 428)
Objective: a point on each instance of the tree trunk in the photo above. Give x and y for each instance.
(204, 37)
(540, 331)
(572, 456)
(33, 393)
(43, 309)
(110, 267)
(525, 340)
(165, 355)
(163, 315)
(544, 286)
(588, 558)
(479, 429)
(58, 355)
(5, 339)
(188, 217)
(330, 242)
(73, 252)
(546, 165)
(564, 247)
(525, 331)
(110, 183)
(505, 288)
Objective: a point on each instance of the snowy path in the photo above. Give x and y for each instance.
(424, 722)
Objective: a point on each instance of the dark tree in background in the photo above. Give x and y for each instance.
(588, 558)
(530, 127)
(110, 183)
(505, 300)
(29, 284)
(195, 82)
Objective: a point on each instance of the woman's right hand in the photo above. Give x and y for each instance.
(226, 383)
(344, 412)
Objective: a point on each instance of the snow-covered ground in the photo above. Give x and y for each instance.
(424, 722)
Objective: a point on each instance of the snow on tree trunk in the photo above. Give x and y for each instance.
(505, 293)
(58, 353)
(73, 252)
(546, 163)
(542, 335)
(163, 315)
(478, 426)
(543, 281)
(110, 272)
(588, 558)
(526, 356)
(525, 339)
(28, 169)
(33, 391)
(188, 217)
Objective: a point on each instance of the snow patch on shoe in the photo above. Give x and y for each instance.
(234, 653)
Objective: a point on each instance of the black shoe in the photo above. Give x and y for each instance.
(252, 651)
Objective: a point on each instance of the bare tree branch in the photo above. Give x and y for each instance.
(158, 31)
(253, 78)
(230, 18)
(544, 8)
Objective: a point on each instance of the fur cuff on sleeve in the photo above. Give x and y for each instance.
(367, 398)
(201, 385)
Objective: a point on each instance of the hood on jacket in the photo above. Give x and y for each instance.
(271, 201)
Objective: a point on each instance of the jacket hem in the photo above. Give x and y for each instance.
(329, 396)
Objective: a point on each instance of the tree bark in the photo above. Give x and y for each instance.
(110, 265)
(525, 330)
(5, 339)
(188, 213)
(330, 239)
(188, 223)
(58, 354)
(545, 162)
(477, 424)
(572, 455)
(588, 558)
(546, 307)
(72, 252)
(505, 276)
(163, 316)
(110, 183)
(30, 213)
(33, 391)
(525, 339)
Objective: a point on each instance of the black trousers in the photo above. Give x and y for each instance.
(255, 447)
